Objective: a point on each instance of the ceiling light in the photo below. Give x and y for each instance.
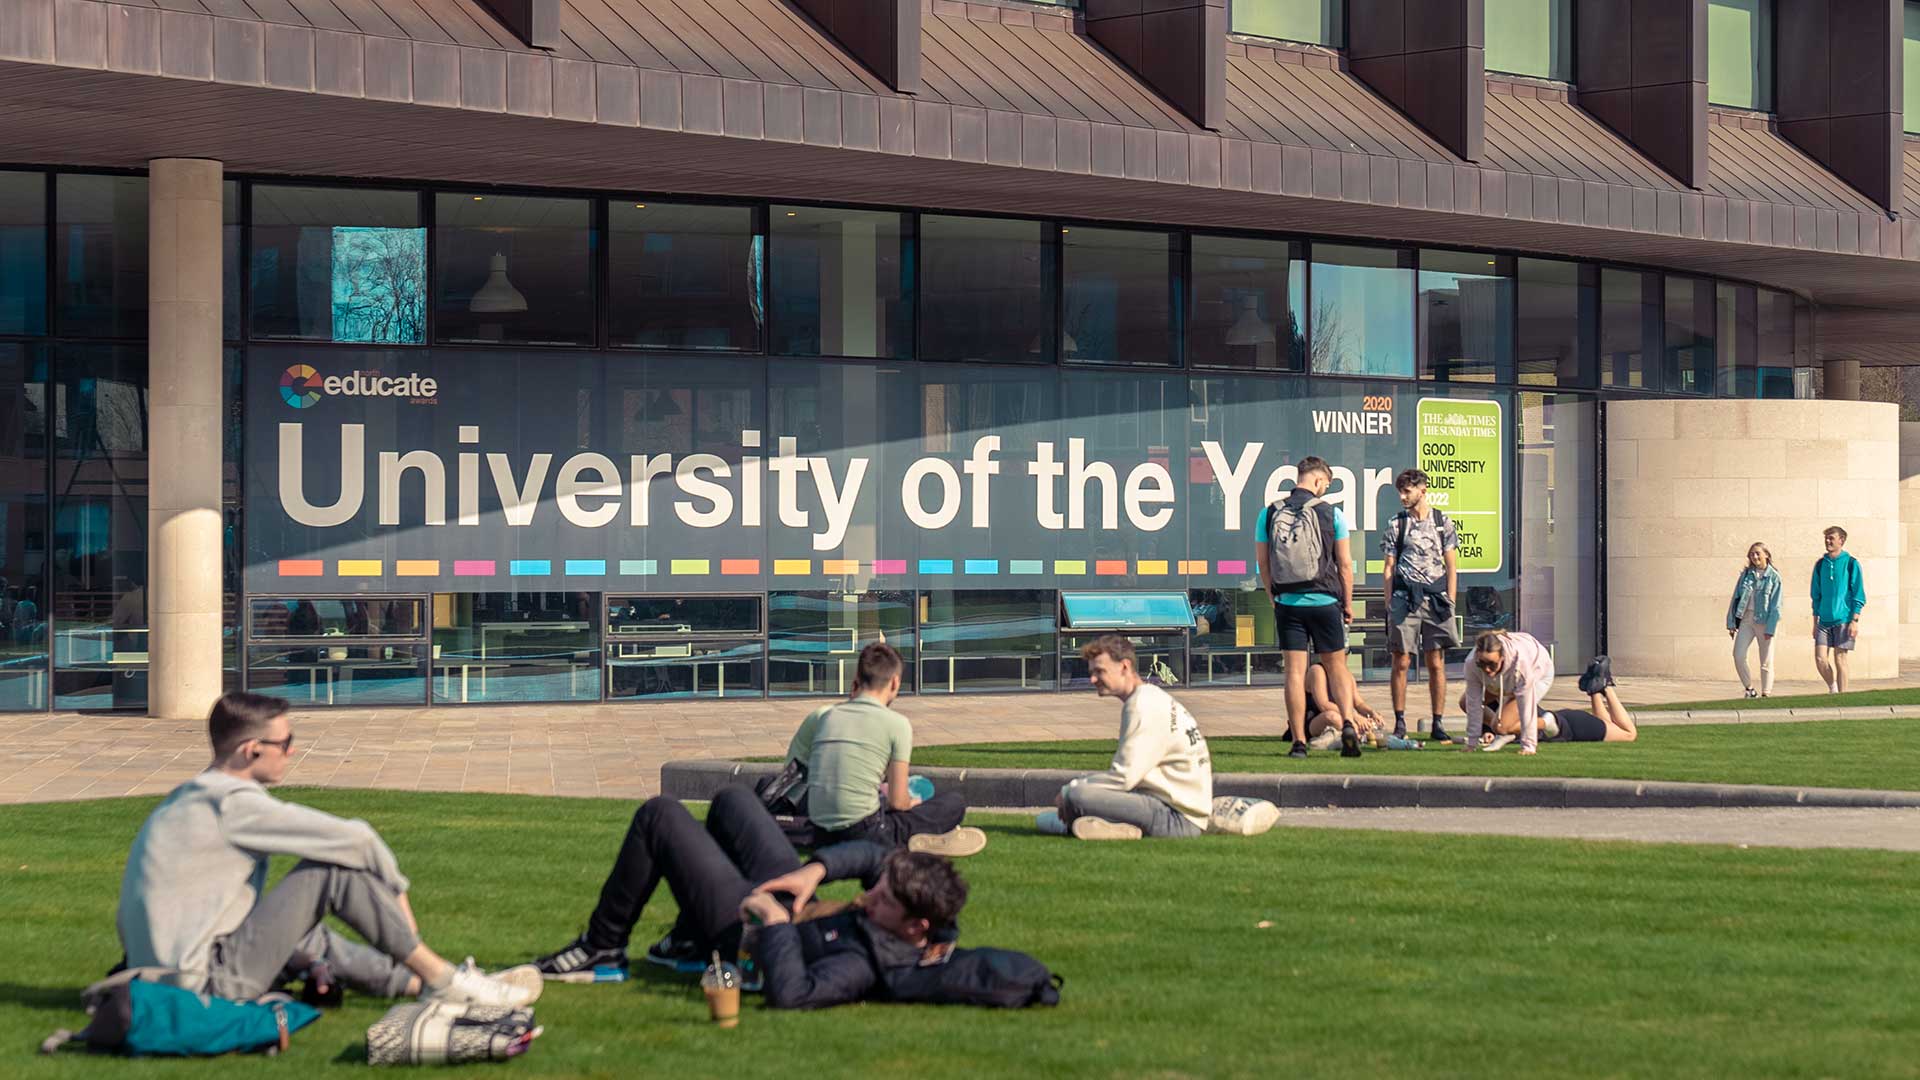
(498, 294)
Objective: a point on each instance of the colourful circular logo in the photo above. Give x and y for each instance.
(300, 386)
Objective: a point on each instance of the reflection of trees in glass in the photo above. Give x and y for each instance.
(379, 285)
(1331, 339)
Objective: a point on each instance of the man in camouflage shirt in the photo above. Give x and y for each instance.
(1421, 549)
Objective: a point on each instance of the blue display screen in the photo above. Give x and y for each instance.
(1127, 611)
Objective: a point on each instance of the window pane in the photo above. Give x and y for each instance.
(986, 289)
(1314, 21)
(667, 616)
(305, 617)
(1737, 331)
(684, 277)
(1234, 639)
(1362, 311)
(99, 561)
(1689, 344)
(988, 640)
(1161, 659)
(841, 284)
(1531, 37)
(511, 268)
(23, 540)
(102, 255)
(1118, 305)
(230, 260)
(1776, 333)
(1559, 534)
(1910, 48)
(338, 264)
(1629, 328)
(1740, 53)
(1248, 296)
(816, 638)
(362, 674)
(1466, 317)
(1558, 310)
(516, 646)
(23, 253)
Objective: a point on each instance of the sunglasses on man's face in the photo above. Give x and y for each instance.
(285, 745)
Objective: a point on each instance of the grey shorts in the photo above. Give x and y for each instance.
(1833, 635)
(1419, 627)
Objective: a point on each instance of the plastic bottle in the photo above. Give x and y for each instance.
(920, 787)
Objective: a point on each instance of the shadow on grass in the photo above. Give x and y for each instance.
(43, 998)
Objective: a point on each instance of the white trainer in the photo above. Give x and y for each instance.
(1498, 742)
(472, 986)
(1093, 828)
(955, 843)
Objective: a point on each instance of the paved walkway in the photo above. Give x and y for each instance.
(1889, 830)
(585, 750)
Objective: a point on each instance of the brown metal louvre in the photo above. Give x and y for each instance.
(1911, 176)
(1279, 100)
(1550, 136)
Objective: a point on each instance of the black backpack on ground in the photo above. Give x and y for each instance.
(993, 978)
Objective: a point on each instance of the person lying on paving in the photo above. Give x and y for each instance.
(194, 901)
(740, 868)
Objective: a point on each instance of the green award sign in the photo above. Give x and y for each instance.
(1460, 453)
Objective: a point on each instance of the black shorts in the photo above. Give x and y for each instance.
(1316, 629)
(1580, 725)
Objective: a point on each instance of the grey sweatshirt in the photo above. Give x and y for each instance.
(200, 864)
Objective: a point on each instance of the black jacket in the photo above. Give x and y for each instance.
(841, 958)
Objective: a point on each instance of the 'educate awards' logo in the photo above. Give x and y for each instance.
(301, 387)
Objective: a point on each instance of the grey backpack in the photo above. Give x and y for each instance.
(1295, 543)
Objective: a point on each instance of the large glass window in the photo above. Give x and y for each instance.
(1558, 313)
(99, 543)
(685, 277)
(1559, 527)
(815, 638)
(1737, 331)
(23, 253)
(1466, 317)
(324, 650)
(1362, 311)
(1248, 299)
(338, 264)
(231, 258)
(101, 253)
(684, 647)
(23, 528)
(1740, 53)
(1234, 639)
(1689, 335)
(1629, 329)
(1314, 21)
(1777, 344)
(1910, 50)
(1531, 37)
(1119, 301)
(842, 282)
(986, 289)
(516, 646)
(513, 269)
(1002, 639)
(301, 617)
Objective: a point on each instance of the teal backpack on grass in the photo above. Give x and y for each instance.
(153, 1019)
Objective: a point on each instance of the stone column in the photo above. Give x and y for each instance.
(1842, 381)
(184, 416)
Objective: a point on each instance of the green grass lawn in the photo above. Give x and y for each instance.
(1829, 753)
(1387, 955)
(1903, 696)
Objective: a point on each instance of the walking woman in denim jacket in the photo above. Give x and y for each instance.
(1754, 615)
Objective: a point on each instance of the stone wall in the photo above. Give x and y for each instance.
(1691, 483)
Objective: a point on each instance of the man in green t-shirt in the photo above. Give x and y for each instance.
(854, 747)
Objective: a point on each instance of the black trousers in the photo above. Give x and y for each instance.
(710, 870)
(891, 827)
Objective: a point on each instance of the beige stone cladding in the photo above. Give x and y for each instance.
(1690, 484)
(1910, 539)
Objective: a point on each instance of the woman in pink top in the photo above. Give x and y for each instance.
(1521, 669)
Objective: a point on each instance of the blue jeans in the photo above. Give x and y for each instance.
(1154, 816)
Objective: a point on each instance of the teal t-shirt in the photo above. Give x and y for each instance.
(847, 747)
(1302, 599)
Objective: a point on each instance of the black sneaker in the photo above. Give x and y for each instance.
(1400, 727)
(580, 962)
(1439, 733)
(1598, 676)
(1605, 665)
(681, 954)
(1299, 750)
(1349, 741)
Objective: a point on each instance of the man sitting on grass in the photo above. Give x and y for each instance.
(910, 903)
(1161, 779)
(194, 900)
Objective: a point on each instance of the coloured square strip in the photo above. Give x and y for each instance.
(417, 568)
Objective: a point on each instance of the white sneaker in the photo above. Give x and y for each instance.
(472, 986)
(1326, 740)
(955, 843)
(1499, 743)
(1093, 828)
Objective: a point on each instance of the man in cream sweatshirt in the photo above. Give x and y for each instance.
(1161, 779)
(193, 899)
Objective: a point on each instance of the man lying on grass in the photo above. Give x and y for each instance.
(737, 869)
(1161, 779)
(193, 899)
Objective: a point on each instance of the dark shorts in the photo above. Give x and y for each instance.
(1420, 625)
(1833, 635)
(1317, 629)
(1580, 725)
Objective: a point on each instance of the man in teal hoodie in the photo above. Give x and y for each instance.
(1839, 594)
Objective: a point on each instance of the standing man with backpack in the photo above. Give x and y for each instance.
(1306, 564)
(1421, 547)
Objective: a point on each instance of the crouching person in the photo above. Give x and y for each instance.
(193, 899)
(1161, 779)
